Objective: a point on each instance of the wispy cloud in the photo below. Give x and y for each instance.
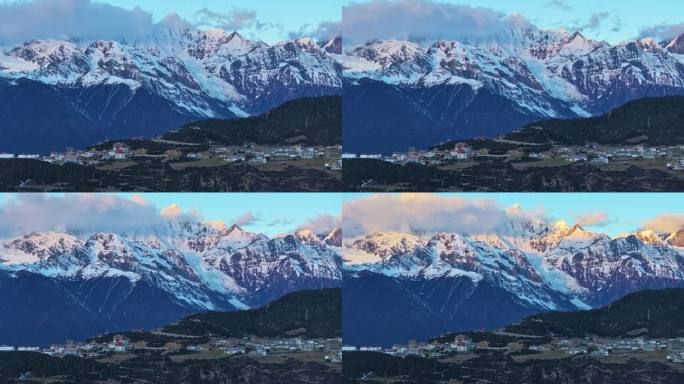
(321, 224)
(324, 31)
(430, 213)
(89, 19)
(230, 21)
(41, 19)
(598, 219)
(666, 223)
(424, 19)
(663, 31)
(246, 218)
(561, 4)
(87, 213)
(594, 22)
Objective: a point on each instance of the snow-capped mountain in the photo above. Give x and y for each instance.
(108, 89)
(467, 89)
(175, 271)
(458, 279)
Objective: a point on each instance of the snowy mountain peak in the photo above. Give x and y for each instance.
(559, 265)
(649, 43)
(197, 263)
(389, 52)
(201, 73)
(649, 237)
(334, 238)
(676, 239)
(334, 46)
(561, 226)
(307, 236)
(578, 232)
(676, 45)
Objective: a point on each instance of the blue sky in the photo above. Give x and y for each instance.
(610, 213)
(269, 213)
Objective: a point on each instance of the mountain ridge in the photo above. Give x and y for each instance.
(105, 89)
(446, 89)
(528, 267)
(177, 270)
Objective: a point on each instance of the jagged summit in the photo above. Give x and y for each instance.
(104, 89)
(197, 263)
(546, 267)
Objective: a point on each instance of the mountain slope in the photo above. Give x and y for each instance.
(457, 90)
(125, 281)
(655, 121)
(90, 91)
(312, 314)
(451, 281)
(651, 313)
(382, 118)
(310, 121)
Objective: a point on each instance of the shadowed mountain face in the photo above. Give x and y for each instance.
(40, 311)
(399, 94)
(59, 286)
(401, 286)
(41, 118)
(60, 94)
(382, 118)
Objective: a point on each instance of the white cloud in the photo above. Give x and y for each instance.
(324, 31)
(561, 4)
(21, 21)
(230, 21)
(321, 224)
(599, 219)
(665, 32)
(666, 223)
(594, 22)
(424, 19)
(245, 219)
(83, 213)
(64, 19)
(418, 213)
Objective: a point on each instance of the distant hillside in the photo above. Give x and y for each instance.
(311, 313)
(653, 313)
(655, 121)
(311, 121)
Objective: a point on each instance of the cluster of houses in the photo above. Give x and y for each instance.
(259, 348)
(591, 154)
(435, 157)
(259, 155)
(461, 344)
(599, 347)
(118, 344)
(248, 153)
(590, 346)
(119, 151)
(248, 346)
(596, 155)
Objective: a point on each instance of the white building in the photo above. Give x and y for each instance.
(28, 156)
